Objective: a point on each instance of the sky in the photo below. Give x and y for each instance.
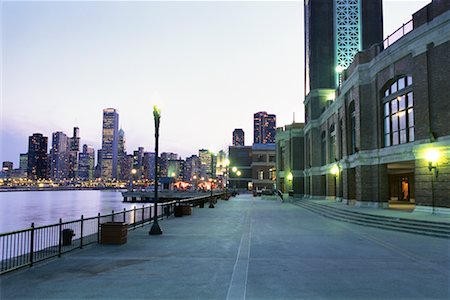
(209, 66)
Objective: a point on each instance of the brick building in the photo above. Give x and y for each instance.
(368, 140)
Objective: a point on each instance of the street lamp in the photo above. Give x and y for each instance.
(227, 163)
(432, 156)
(211, 205)
(335, 171)
(238, 173)
(133, 172)
(155, 229)
(195, 182)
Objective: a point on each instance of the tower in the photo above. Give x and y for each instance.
(60, 156)
(238, 137)
(264, 128)
(110, 143)
(37, 157)
(335, 30)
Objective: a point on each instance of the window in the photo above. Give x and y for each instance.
(261, 175)
(324, 148)
(332, 145)
(352, 127)
(271, 158)
(341, 139)
(399, 113)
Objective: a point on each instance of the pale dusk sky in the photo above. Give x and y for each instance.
(209, 65)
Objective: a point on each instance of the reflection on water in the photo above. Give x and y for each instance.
(19, 209)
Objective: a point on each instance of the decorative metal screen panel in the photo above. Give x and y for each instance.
(348, 31)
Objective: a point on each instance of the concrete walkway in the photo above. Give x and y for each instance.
(246, 248)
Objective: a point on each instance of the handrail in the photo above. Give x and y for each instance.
(22, 248)
(397, 34)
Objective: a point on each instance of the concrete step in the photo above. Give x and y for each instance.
(429, 228)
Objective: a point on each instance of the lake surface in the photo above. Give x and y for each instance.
(19, 209)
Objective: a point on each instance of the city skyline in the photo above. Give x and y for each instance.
(74, 72)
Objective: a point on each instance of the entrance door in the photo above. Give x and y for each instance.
(400, 187)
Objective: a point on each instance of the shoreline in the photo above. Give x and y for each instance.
(42, 189)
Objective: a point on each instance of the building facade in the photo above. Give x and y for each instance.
(60, 156)
(290, 143)
(238, 137)
(264, 128)
(240, 169)
(37, 163)
(367, 141)
(73, 154)
(110, 144)
(263, 167)
(86, 163)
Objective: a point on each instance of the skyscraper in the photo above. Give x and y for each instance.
(59, 156)
(148, 165)
(164, 163)
(74, 150)
(37, 157)
(122, 169)
(110, 143)
(86, 163)
(238, 137)
(23, 163)
(264, 128)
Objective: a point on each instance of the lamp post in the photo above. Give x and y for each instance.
(335, 171)
(133, 172)
(211, 205)
(155, 229)
(238, 173)
(227, 163)
(195, 182)
(432, 156)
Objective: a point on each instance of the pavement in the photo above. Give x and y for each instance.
(246, 248)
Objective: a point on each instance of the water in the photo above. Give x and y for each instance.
(19, 209)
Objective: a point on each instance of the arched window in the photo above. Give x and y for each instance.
(398, 112)
(323, 143)
(332, 145)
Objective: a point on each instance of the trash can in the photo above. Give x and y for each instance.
(67, 235)
(178, 211)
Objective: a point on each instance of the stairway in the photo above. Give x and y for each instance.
(430, 228)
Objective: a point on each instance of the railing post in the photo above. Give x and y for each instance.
(134, 217)
(124, 215)
(142, 216)
(98, 228)
(31, 244)
(112, 217)
(60, 238)
(81, 234)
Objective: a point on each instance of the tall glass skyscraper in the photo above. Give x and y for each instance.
(110, 143)
(86, 163)
(37, 157)
(264, 128)
(59, 155)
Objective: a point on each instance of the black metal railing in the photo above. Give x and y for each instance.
(399, 33)
(25, 247)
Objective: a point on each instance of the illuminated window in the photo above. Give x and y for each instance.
(332, 144)
(323, 148)
(352, 127)
(398, 112)
(261, 175)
